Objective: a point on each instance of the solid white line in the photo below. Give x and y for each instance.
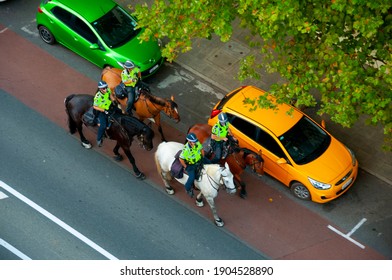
(58, 221)
(347, 237)
(14, 250)
(356, 227)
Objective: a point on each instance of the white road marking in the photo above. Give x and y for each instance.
(3, 30)
(347, 236)
(58, 221)
(11, 248)
(3, 195)
(28, 31)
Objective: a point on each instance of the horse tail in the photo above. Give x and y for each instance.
(71, 122)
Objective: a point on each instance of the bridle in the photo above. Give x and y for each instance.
(257, 159)
(220, 182)
(142, 138)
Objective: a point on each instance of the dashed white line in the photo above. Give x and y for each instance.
(347, 236)
(57, 221)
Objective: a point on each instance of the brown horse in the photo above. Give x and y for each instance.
(147, 106)
(122, 129)
(238, 159)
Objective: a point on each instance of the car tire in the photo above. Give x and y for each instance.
(300, 191)
(46, 35)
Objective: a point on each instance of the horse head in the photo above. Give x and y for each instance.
(171, 109)
(227, 178)
(145, 137)
(255, 161)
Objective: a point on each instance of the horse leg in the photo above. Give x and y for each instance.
(199, 200)
(157, 120)
(85, 143)
(161, 132)
(218, 221)
(131, 159)
(117, 155)
(242, 186)
(243, 193)
(166, 177)
(77, 126)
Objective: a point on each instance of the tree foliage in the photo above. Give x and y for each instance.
(339, 49)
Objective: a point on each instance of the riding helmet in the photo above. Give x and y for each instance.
(191, 137)
(120, 92)
(102, 84)
(129, 64)
(222, 117)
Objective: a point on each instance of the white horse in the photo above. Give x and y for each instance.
(212, 178)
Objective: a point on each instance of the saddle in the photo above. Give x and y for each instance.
(177, 170)
(121, 91)
(89, 118)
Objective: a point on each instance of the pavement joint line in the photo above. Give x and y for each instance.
(347, 236)
(382, 178)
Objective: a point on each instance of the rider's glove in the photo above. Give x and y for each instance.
(106, 112)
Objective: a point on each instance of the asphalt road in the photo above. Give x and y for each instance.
(109, 209)
(369, 199)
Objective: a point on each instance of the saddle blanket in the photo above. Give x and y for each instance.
(177, 170)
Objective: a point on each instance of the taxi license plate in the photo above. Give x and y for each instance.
(347, 183)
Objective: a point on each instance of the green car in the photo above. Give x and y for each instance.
(99, 31)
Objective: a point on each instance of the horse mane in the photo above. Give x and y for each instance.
(158, 100)
(134, 126)
(212, 168)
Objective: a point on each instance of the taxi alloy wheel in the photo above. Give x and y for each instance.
(300, 191)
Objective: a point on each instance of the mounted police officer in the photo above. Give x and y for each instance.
(220, 135)
(102, 102)
(192, 158)
(130, 77)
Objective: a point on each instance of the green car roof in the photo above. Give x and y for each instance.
(91, 10)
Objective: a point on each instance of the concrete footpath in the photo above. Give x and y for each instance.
(218, 63)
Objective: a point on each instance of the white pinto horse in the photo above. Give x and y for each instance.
(212, 178)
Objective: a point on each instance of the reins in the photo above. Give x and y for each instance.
(210, 180)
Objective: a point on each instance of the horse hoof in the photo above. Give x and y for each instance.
(87, 145)
(170, 190)
(200, 202)
(219, 222)
(141, 176)
(118, 158)
(243, 195)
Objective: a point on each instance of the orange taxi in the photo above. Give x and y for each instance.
(296, 150)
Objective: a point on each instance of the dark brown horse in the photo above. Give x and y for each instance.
(122, 129)
(238, 159)
(147, 106)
